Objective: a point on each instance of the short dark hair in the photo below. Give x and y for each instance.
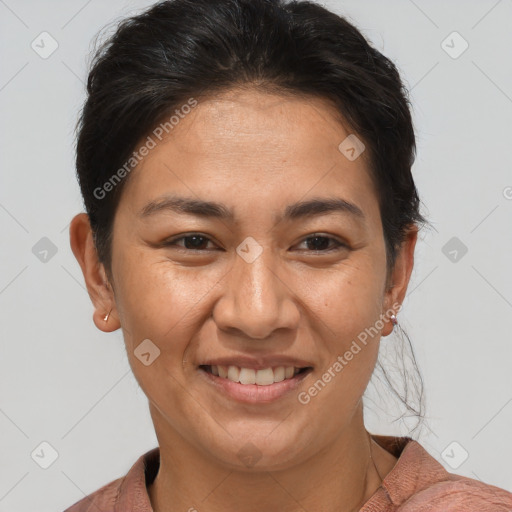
(178, 49)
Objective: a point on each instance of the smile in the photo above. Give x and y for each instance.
(249, 385)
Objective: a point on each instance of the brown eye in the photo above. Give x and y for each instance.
(321, 243)
(193, 242)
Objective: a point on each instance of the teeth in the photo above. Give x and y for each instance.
(264, 377)
(247, 376)
(233, 373)
(279, 374)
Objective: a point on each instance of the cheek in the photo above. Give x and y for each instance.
(163, 303)
(150, 291)
(348, 299)
(158, 304)
(150, 298)
(346, 331)
(349, 305)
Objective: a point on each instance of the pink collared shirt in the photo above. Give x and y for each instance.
(417, 483)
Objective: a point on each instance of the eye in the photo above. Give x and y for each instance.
(198, 242)
(192, 242)
(320, 243)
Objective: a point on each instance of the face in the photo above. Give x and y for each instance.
(261, 282)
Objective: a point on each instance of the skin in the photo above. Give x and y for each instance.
(255, 152)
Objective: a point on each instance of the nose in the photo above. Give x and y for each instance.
(257, 298)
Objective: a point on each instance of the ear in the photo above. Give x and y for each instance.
(98, 287)
(399, 279)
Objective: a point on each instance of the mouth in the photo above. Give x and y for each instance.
(251, 385)
(246, 376)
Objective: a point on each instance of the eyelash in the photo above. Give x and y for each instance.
(172, 242)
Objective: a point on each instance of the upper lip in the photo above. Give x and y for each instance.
(257, 363)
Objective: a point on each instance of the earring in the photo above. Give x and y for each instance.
(393, 319)
(107, 315)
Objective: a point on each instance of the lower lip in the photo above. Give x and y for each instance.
(253, 393)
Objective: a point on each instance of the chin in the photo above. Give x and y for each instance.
(256, 449)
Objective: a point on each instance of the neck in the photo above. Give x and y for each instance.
(340, 478)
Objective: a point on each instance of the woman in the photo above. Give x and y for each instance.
(251, 224)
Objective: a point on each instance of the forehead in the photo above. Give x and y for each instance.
(250, 142)
(243, 120)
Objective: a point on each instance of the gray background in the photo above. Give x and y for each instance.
(65, 383)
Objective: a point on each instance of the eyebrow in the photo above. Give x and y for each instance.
(209, 209)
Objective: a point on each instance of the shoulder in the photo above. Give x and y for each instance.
(125, 494)
(419, 483)
(102, 499)
(459, 493)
